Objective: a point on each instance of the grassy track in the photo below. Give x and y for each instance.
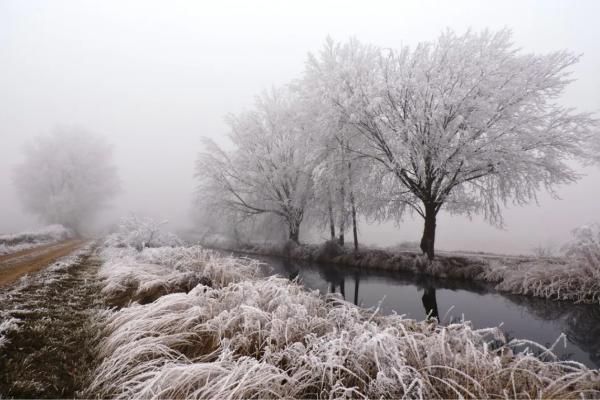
(51, 353)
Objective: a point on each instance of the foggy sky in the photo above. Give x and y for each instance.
(156, 77)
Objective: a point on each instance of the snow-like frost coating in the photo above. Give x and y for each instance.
(253, 337)
(576, 277)
(7, 324)
(143, 276)
(139, 233)
(11, 243)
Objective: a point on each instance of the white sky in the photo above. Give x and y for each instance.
(154, 77)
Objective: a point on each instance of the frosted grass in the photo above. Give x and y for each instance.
(11, 243)
(253, 337)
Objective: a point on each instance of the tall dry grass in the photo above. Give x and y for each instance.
(143, 276)
(574, 277)
(252, 337)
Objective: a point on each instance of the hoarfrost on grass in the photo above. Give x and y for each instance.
(143, 276)
(575, 277)
(11, 243)
(248, 336)
(7, 324)
(139, 233)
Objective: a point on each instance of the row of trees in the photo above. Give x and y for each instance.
(466, 123)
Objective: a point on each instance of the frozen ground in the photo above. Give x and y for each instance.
(47, 331)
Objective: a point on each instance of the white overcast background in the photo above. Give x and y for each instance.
(154, 77)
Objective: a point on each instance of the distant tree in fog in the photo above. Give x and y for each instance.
(467, 122)
(269, 170)
(66, 177)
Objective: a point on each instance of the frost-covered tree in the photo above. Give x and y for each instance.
(67, 177)
(324, 196)
(335, 202)
(340, 177)
(584, 248)
(269, 170)
(468, 123)
(340, 181)
(333, 184)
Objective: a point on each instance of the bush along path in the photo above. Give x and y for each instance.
(47, 334)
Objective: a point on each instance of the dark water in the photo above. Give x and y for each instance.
(521, 317)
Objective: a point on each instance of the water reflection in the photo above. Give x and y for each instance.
(430, 303)
(420, 296)
(336, 276)
(579, 322)
(356, 287)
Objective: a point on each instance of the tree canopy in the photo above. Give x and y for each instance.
(66, 177)
(467, 123)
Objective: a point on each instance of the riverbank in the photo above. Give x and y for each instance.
(237, 334)
(554, 278)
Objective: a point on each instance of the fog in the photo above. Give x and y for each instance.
(153, 78)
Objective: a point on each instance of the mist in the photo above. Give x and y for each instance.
(308, 199)
(154, 79)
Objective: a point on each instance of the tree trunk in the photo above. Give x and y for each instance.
(354, 228)
(356, 284)
(331, 220)
(428, 239)
(353, 207)
(342, 214)
(294, 228)
(342, 199)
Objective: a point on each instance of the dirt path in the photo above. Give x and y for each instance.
(49, 350)
(13, 266)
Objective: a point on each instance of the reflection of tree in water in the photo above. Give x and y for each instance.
(290, 268)
(430, 303)
(356, 284)
(336, 275)
(336, 278)
(429, 298)
(580, 322)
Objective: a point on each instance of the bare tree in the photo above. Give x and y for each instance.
(270, 168)
(66, 177)
(467, 122)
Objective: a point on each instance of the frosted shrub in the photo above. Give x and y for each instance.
(584, 250)
(140, 233)
(574, 278)
(251, 337)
